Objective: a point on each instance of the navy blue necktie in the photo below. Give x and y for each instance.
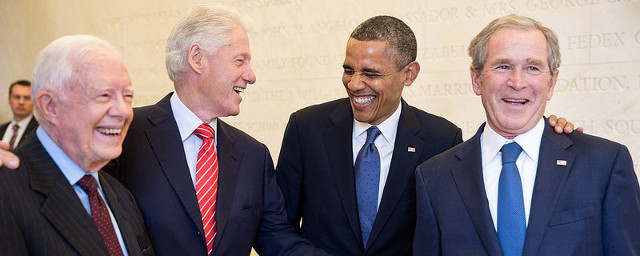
(512, 224)
(367, 171)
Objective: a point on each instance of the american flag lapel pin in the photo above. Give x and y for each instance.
(561, 162)
(411, 149)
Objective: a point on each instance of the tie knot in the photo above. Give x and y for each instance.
(88, 184)
(204, 131)
(372, 133)
(15, 127)
(510, 152)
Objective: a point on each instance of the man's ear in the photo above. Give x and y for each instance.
(552, 83)
(411, 73)
(475, 81)
(48, 106)
(195, 57)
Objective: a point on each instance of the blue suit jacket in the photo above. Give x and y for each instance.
(590, 206)
(250, 208)
(315, 173)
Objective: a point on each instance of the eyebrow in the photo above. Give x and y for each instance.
(535, 62)
(365, 69)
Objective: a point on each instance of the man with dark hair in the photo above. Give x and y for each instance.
(346, 167)
(22, 124)
(516, 187)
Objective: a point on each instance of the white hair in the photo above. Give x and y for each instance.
(58, 64)
(208, 25)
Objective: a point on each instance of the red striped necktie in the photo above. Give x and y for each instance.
(207, 182)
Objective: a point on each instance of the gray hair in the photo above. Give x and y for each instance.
(58, 64)
(398, 35)
(208, 25)
(478, 47)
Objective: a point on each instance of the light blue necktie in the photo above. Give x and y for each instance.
(367, 172)
(512, 224)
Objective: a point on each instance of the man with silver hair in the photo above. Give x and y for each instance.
(205, 187)
(516, 187)
(58, 202)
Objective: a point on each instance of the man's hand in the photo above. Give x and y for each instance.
(7, 158)
(561, 125)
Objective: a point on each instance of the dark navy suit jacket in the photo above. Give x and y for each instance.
(250, 207)
(588, 205)
(30, 130)
(315, 173)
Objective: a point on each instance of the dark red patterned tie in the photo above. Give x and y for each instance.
(14, 136)
(207, 182)
(100, 215)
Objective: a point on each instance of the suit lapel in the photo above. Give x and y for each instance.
(61, 206)
(467, 173)
(337, 138)
(164, 138)
(402, 167)
(29, 131)
(229, 159)
(550, 178)
(120, 213)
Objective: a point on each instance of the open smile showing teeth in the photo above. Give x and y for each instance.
(109, 131)
(521, 101)
(238, 89)
(364, 100)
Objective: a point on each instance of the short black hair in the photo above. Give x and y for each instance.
(398, 35)
(20, 82)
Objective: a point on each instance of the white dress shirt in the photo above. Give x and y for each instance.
(74, 173)
(385, 144)
(187, 123)
(22, 127)
(527, 163)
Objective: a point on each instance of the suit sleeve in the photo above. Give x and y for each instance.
(427, 236)
(11, 236)
(289, 172)
(621, 209)
(276, 235)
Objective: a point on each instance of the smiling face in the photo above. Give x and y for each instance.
(226, 74)
(372, 80)
(92, 117)
(515, 83)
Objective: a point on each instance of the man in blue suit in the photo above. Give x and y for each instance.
(516, 187)
(317, 165)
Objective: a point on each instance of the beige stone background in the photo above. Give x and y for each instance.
(298, 48)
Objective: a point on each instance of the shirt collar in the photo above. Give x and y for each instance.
(23, 123)
(72, 171)
(186, 120)
(387, 128)
(492, 142)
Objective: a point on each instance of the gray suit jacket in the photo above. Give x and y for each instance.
(40, 213)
